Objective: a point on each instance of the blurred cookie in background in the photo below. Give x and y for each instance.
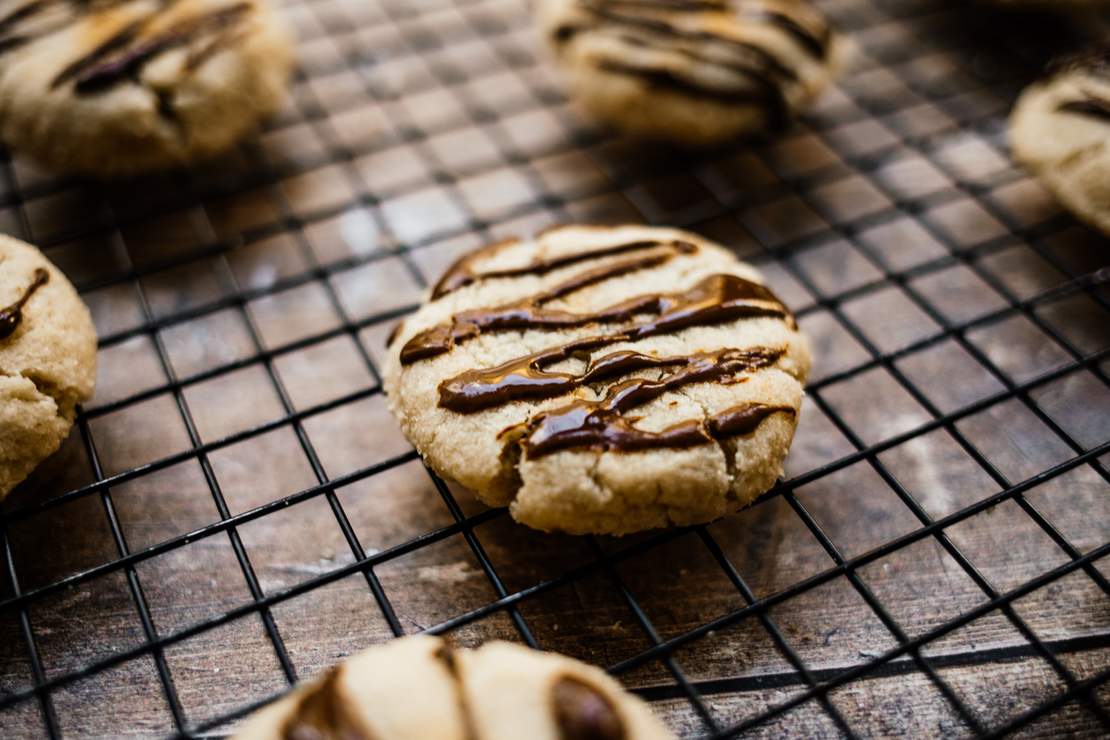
(1060, 129)
(118, 88)
(692, 72)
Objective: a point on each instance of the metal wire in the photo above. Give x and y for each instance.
(897, 36)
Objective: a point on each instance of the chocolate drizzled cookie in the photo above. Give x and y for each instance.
(601, 379)
(135, 85)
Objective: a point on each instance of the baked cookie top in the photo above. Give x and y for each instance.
(136, 79)
(419, 688)
(47, 359)
(770, 53)
(601, 379)
(1060, 128)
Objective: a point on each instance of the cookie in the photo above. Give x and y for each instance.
(1060, 129)
(691, 72)
(47, 359)
(120, 87)
(418, 688)
(601, 379)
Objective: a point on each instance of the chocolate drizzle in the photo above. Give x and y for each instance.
(578, 425)
(808, 31)
(595, 418)
(715, 299)
(660, 24)
(462, 273)
(525, 377)
(600, 424)
(804, 26)
(23, 25)
(1092, 106)
(12, 316)
(103, 69)
(20, 14)
(118, 40)
(122, 56)
(323, 714)
(584, 713)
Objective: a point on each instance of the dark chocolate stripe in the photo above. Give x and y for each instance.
(224, 39)
(12, 316)
(815, 39)
(323, 713)
(122, 56)
(1092, 107)
(445, 654)
(715, 299)
(462, 273)
(583, 712)
(76, 10)
(766, 62)
(760, 72)
(21, 13)
(804, 26)
(13, 42)
(526, 377)
(753, 67)
(119, 40)
(601, 425)
(102, 73)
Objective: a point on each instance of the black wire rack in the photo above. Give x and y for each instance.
(236, 510)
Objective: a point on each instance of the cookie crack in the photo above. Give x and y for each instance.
(167, 112)
(65, 404)
(728, 449)
(592, 472)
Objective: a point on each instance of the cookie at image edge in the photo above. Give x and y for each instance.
(418, 688)
(47, 359)
(600, 379)
(121, 88)
(1060, 129)
(692, 72)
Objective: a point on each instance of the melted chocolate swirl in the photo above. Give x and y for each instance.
(601, 424)
(12, 316)
(716, 299)
(463, 272)
(525, 377)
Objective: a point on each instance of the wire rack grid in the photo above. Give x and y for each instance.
(236, 509)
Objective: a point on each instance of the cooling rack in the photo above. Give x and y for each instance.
(236, 509)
